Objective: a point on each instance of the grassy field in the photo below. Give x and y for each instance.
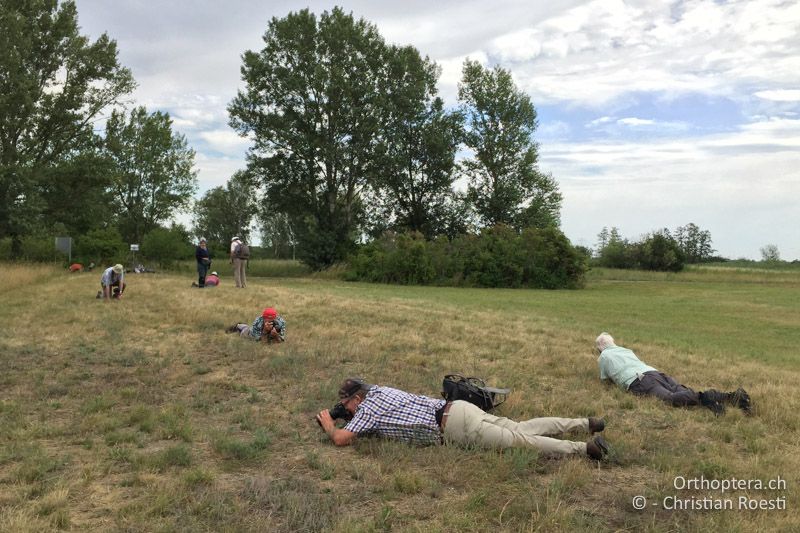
(143, 415)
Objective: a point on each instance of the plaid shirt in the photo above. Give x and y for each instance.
(398, 415)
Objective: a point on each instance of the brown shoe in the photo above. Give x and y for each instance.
(597, 448)
(596, 425)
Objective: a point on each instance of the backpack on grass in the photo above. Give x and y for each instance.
(472, 390)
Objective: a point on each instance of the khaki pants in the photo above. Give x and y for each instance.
(467, 424)
(239, 275)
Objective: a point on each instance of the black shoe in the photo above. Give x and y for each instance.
(712, 399)
(596, 425)
(233, 329)
(739, 398)
(597, 448)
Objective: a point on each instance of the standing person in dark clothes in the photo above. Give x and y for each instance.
(203, 262)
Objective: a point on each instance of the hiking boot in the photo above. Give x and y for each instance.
(712, 399)
(739, 398)
(597, 448)
(596, 425)
(233, 329)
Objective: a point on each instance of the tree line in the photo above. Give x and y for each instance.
(61, 173)
(657, 250)
(351, 140)
(354, 158)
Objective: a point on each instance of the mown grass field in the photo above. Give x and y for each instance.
(143, 415)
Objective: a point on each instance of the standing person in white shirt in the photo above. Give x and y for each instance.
(240, 253)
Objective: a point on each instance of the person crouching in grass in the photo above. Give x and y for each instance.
(112, 283)
(269, 327)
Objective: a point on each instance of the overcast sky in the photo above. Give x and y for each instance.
(652, 114)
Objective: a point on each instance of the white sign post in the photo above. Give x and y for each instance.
(134, 249)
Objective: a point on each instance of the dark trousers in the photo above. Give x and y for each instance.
(662, 386)
(202, 270)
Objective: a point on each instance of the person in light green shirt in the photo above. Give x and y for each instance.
(624, 368)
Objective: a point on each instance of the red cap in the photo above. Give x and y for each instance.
(270, 313)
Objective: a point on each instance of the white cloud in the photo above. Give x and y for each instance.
(716, 181)
(215, 171)
(633, 121)
(599, 121)
(780, 95)
(226, 141)
(598, 51)
(554, 129)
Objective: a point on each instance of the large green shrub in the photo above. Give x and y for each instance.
(101, 247)
(660, 252)
(655, 251)
(498, 257)
(166, 246)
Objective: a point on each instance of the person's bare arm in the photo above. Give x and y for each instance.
(340, 437)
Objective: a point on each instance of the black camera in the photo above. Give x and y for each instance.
(339, 411)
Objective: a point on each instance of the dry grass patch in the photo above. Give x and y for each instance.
(144, 415)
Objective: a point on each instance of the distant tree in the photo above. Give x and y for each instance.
(694, 242)
(544, 206)
(76, 193)
(312, 104)
(416, 167)
(770, 253)
(602, 239)
(277, 232)
(54, 83)
(505, 184)
(101, 246)
(167, 245)
(617, 252)
(151, 170)
(225, 212)
(659, 251)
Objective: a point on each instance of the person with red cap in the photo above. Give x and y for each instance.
(269, 327)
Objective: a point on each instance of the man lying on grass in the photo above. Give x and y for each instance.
(269, 327)
(621, 366)
(399, 415)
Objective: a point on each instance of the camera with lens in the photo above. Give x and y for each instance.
(339, 411)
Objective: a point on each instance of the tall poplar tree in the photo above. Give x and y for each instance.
(152, 173)
(313, 106)
(505, 184)
(54, 83)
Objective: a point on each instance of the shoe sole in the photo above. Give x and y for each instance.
(602, 444)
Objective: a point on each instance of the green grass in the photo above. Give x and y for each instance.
(256, 268)
(144, 415)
